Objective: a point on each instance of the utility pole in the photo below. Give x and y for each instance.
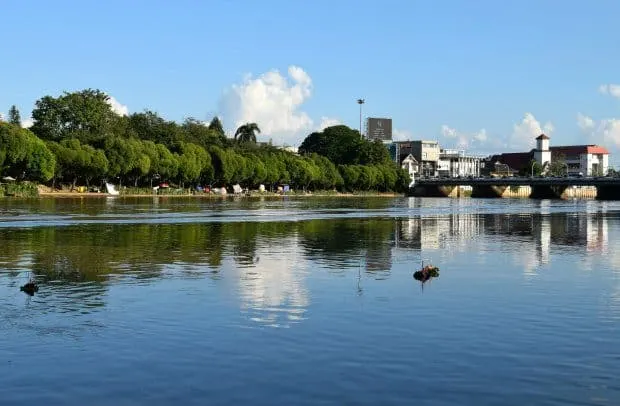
(360, 102)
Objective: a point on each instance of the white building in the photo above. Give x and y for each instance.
(589, 160)
(411, 166)
(542, 154)
(453, 163)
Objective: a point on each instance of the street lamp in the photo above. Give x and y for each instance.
(360, 102)
(533, 163)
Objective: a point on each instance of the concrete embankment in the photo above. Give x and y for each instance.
(493, 191)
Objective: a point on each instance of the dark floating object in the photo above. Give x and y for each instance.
(426, 273)
(30, 288)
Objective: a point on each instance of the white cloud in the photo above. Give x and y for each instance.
(463, 140)
(327, 122)
(2, 116)
(401, 135)
(272, 101)
(117, 107)
(605, 132)
(584, 122)
(525, 132)
(274, 292)
(610, 89)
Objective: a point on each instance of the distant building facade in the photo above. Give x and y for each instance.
(587, 160)
(590, 160)
(426, 154)
(410, 164)
(454, 163)
(542, 154)
(426, 158)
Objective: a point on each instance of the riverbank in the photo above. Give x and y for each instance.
(92, 195)
(31, 190)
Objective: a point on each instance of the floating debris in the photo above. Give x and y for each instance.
(30, 288)
(426, 273)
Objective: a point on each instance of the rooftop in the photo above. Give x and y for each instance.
(579, 149)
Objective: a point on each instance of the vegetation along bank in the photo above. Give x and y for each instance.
(77, 139)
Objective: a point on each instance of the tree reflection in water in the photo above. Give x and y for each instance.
(270, 260)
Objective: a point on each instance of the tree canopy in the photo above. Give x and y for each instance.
(344, 146)
(77, 137)
(14, 116)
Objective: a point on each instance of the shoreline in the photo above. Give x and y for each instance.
(92, 195)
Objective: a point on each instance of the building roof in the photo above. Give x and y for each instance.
(542, 137)
(579, 149)
(409, 158)
(515, 160)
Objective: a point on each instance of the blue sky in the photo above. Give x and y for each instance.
(441, 69)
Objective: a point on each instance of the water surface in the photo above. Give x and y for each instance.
(309, 301)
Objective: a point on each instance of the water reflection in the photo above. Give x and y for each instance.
(273, 291)
(267, 264)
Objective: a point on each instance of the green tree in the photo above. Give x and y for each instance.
(194, 164)
(216, 126)
(85, 115)
(558, 166)
(14, 116)
(198, 133)
(76, 161)
(340, 144)
(373, 153)
(121, 156)
(23, 155)
(531, 168)
(247, 133)
(148, 125)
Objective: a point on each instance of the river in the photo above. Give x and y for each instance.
(309, 301)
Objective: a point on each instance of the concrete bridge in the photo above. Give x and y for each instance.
(606, 188)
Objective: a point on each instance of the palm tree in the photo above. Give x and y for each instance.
(247, 132)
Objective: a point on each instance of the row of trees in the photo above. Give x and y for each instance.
(78, 138)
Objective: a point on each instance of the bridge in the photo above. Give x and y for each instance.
(602, 187)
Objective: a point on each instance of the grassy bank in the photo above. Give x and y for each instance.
(24, 189)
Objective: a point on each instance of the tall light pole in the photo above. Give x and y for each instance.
(360, 102)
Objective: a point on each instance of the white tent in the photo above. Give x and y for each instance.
(111, 190)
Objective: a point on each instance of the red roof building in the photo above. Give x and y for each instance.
(588, 160)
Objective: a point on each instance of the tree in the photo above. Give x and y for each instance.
(194, 163)
(247, 133)
(531, 168)
(78, 161)
(14, 116)
(85, 115)
(216, 126)
(198, 133)
(23, 155)
(343, 146)
(558, 166)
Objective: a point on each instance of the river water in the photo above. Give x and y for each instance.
(309, 301)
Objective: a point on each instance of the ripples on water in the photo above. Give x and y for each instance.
(308, 301)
